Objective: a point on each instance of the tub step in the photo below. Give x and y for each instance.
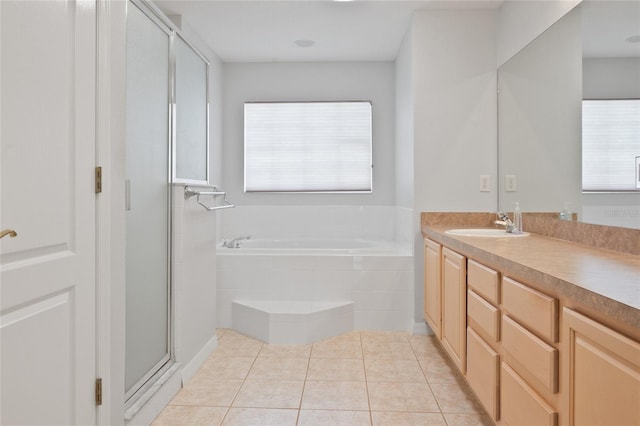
(291, 323)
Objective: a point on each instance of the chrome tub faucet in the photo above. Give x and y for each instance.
(235, 243)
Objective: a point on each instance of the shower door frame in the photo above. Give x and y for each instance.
(144, 384)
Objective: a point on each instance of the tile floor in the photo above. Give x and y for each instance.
(358, 378)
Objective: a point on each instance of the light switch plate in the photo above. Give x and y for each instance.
(485, 183)
(510, 183)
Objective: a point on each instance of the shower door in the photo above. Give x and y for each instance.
(148, 346)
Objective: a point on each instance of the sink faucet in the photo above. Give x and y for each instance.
(235, 243)
(503, 219)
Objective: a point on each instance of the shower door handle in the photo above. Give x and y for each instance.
(127, 194)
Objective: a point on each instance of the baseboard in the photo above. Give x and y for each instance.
(421, 328)
(196, 362)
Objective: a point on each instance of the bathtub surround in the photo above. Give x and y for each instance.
(291, 323)
(375, 274)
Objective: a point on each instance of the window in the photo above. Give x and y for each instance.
(610, 144)
(307, 146)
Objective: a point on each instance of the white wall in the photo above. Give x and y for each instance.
(195, 274)
(326, 81)
(454, 107)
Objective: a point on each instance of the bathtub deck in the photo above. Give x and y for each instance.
(292, 323)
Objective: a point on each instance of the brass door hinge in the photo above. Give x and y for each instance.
(98, 180)
(98, 391)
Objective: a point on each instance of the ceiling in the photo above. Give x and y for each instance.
(606, 25)
(266, 30)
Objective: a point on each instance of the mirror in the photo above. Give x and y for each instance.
(583, 55)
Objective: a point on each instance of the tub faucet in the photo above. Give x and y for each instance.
(235, 243)
(503, 219)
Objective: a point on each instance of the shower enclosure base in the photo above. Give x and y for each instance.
(292, 323)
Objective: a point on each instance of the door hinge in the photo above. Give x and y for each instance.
(98, 180)
(99, 391)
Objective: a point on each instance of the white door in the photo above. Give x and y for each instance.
(47, 272)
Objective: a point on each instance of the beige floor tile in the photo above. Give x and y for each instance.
(260, 417)
(424, 345)
(279, 369)
(237, 347)
(335, 396)
(269, 394)
(384, 337)
(342, 370)
(344, 348)
(455, 399)
(439, 369)
(416, 397)
(387, 350)
(468, 420)
(334, 418)
(393, 370)
(285, 351)
(407, 419)
(178, 415)
(207, 391)
(226, 367)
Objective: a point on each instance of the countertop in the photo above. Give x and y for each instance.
(606, 281)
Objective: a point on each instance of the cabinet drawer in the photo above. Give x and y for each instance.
(484, 281)
(537, 311)
(483, 316)
(483, 369)
(520, 404)
(529, 355)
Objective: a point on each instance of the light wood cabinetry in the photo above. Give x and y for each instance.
(602, 369)
(521, 405)
(529, 356)
(432, 286)
(483, 369)
(454, 306)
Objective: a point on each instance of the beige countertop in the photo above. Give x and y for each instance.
(604, 280)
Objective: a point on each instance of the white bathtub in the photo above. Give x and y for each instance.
(377, 276)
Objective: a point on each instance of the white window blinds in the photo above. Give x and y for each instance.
(307, 146)
(610, 144)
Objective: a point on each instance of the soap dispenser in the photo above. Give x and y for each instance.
(517, 219)
(566, 213)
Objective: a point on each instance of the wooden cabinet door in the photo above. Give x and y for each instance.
(432, 286)
(603, 372)
(483, 366)
(454, 306)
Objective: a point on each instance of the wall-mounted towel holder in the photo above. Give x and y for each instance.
(190, 192)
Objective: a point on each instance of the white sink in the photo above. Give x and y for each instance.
(484, 232)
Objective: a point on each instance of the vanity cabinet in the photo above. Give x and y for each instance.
(535, 348)
(454, 307)
(483, 335)
(432, 286)
(602, 369)
(445, 299)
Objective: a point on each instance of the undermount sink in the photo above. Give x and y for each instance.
(484, 232)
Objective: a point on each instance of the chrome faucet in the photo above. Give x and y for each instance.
(235, 243)
(503, 219)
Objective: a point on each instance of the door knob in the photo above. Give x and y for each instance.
(10, 232)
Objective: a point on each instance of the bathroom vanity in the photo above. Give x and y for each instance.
(545, 330)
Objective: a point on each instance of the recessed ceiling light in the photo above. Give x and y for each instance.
(304, 43)
(634, 39)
